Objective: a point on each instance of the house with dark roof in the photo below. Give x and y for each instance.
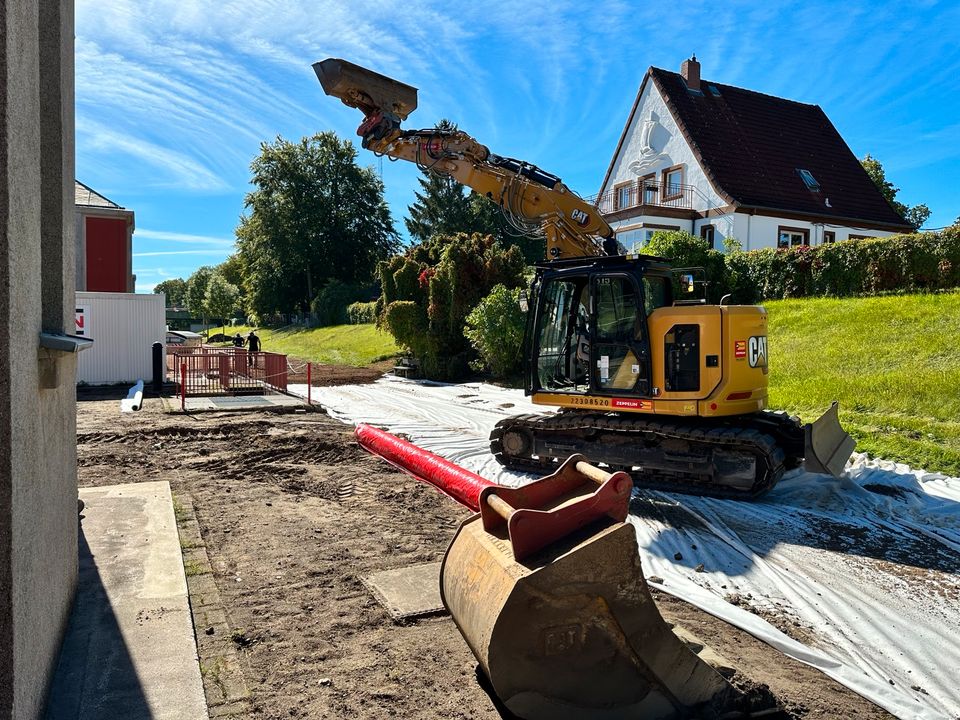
(104, 243)
(723, 162)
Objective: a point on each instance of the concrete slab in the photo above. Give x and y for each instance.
(239, 402)
(407, 592)
(130, 650)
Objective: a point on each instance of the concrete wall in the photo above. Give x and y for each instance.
(38, 506)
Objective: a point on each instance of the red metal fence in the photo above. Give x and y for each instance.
(227, 371)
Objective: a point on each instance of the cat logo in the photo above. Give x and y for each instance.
(757, 353)
(580, 217)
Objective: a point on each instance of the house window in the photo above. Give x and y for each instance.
(861, 237)
(648, 184)
(809, 180)
(829, 236)
(672, 182)
(621, 196)
(791, 237)
(708, 233)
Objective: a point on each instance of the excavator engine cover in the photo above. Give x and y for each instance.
(364, 89)
(570, 631)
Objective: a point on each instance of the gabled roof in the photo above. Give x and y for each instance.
(83, 195)
(751, 147)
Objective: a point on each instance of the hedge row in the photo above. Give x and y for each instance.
(359, 313)
(900, 263)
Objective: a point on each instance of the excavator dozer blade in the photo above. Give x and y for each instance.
(571, 632)
(365, 89)
(827, 446)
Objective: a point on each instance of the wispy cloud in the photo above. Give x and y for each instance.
(160, 253)
(176, 237)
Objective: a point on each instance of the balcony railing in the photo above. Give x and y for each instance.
(649, 193)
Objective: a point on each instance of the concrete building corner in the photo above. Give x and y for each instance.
(38, 510)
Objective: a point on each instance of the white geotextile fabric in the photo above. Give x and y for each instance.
(881, 606)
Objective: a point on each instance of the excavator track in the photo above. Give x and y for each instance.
(742, 457)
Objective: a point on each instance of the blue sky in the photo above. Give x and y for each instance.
(174, 97)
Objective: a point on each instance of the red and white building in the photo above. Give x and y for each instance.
(723, 162)
(104, 243)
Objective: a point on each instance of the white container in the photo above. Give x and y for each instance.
(123, 327)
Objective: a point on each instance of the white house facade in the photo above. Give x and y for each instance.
(723, 162)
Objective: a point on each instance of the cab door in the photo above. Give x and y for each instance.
(620, 344)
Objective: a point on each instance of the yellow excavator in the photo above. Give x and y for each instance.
(649, 379)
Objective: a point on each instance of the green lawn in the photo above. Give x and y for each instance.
(356, 345)
(892, 362)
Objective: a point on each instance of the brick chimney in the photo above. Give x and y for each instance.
(690, 70)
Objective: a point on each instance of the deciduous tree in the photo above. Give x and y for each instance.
(175, 290)
(315, 215)
(916, 215)
(197, 292)
(220, 299)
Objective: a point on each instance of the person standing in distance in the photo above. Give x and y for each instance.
(253, 347)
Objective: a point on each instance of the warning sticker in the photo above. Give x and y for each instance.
(740, 349)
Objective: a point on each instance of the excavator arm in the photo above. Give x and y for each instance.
(532, 200)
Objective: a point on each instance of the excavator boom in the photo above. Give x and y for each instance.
(533, 200)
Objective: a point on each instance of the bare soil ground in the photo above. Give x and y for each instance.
(294, 513)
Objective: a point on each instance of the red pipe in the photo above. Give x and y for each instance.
(453, 480)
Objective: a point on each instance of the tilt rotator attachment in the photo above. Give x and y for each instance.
(546, 586)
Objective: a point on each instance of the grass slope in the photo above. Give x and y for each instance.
(892, 362)
(356, 345)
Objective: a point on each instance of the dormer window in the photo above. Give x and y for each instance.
(809, 180)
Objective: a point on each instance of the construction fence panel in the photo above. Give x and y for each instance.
(227, 371)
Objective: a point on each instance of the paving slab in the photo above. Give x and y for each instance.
(407, 592)
(238, 402)
(130, 650)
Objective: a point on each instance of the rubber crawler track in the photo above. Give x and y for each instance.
(774, 439)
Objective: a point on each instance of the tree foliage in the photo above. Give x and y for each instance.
(197, 291)
(221, 297)
(916, 215)
(495, 328)
(175, 290)
(689, 251)
(429, 291)
(315, 215)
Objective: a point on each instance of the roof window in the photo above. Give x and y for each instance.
(809, 180)
(713, 90)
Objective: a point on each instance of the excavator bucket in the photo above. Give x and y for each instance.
(545, 585)
(827, 446)
(365, 89)
(562, 623)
